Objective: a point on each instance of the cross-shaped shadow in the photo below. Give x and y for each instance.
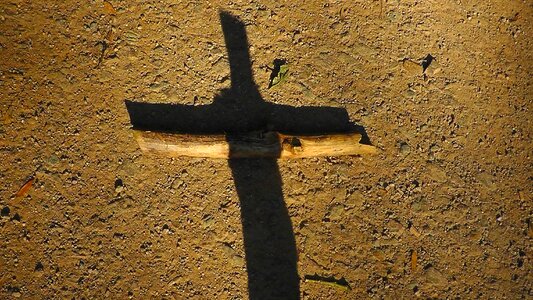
(270, 248)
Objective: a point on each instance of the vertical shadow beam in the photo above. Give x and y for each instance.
(270, 247)
(267, 229)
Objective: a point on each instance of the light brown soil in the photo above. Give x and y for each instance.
(444, 210)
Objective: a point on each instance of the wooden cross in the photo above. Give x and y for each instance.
(241, 126)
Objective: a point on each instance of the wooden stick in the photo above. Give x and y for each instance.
(251, 145)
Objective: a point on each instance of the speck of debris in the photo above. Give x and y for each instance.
(39, 266)
(5, 211)
(16, 217)
(427, 61)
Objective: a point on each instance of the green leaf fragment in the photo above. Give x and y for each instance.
(281, 76)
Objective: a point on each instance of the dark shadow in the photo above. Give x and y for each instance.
(275, 70)
(271, 255)
(426, 62)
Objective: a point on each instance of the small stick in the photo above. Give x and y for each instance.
(251, 145)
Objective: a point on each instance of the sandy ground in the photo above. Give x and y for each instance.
(443, 211)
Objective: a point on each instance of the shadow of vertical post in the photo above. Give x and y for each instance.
(269, 243)
(268, 236)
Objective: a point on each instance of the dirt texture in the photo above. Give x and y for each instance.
(442, 88)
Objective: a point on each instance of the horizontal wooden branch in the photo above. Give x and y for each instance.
(251, 145)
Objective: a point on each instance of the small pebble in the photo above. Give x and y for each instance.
(434, 148)
(176, 184)
(119, 186)
(404, 148)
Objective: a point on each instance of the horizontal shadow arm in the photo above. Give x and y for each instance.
(220, 119)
